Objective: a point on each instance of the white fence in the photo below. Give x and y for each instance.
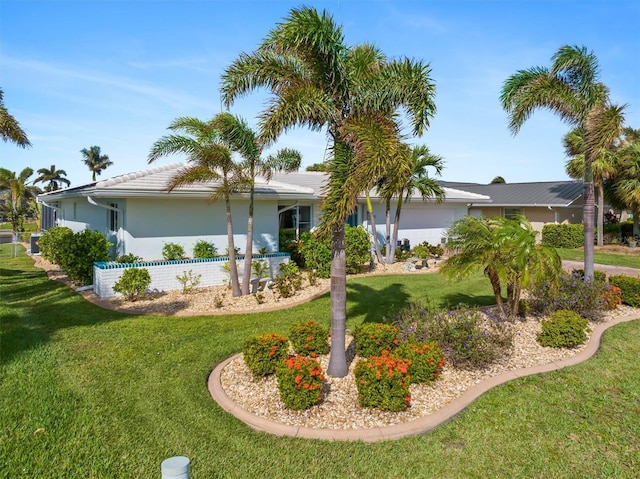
(163, 273)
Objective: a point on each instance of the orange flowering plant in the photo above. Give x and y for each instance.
(309, 339)
(383, 382)
(426, 359)
(612, 296)
(300, 382)
(373, 338)
(263, 353)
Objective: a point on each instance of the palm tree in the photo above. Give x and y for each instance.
(17, 195)
(9, 128)
(571, 89)
(96, 161)
(209, 160)
(242, 139)
(625, 184)
(506, 250)
(602, 165)
(317, 81)
(53, 177)
(405, 183)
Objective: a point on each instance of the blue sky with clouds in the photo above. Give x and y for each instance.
(116, 73)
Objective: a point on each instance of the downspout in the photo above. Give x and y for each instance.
(111, 208)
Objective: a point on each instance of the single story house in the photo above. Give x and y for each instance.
(139, 216)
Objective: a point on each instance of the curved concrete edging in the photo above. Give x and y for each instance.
(411, 428)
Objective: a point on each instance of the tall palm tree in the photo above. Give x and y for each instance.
(9, 128)
(625, 184)
(317, 81)
(506, 250)
(53, 177)
(95, 160)
(405, 183)
(571, 89)
(243, 140)
(17, 195)
(209, 160)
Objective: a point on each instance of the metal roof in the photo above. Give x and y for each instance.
(551, 193)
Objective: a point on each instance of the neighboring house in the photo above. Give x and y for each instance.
(139, 216)
(543, 202)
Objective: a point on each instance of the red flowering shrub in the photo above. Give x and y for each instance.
(426, 359)
(373, 338)
(612, 297)
(309, 339)
(263, 353)
(300, 381)
(383, 383)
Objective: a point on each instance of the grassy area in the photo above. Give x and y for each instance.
(91, 393)
(600, 257)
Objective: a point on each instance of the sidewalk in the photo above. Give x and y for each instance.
(608, 269)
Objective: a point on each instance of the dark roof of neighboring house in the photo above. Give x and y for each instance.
(550, 193)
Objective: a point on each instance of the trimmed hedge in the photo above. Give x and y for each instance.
(563, 236)
(630, 288)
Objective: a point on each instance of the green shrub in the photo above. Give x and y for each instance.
(571, 292)
(426, 360)
(289, 280)
(188, 281)
(54, 243)
(288, 243)
(563, 235)
(424, 250)
(309, 339)
(260, 268)
(204, 249)
(133, 283)
(630, 288)
(373, 338)
(316, 251)
(598, 276)
(382, 382)
(173, 251)
(563, 329)
(263, 353)
(77, 253)
(128, 259)
(300, 382)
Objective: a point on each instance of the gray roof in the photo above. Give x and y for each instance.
(551, 193)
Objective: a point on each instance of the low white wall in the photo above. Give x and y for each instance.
(163, 273)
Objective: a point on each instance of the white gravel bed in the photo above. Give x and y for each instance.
(340, 409)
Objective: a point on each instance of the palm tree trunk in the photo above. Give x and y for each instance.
(389, 258)
(338, 359)
(495, 285)
(600, 212)
(514, 289)
(233, 267)
(248, 255)
(396, 225)
(588, 213)
(372, 221)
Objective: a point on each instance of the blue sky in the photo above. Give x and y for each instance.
(116, 73)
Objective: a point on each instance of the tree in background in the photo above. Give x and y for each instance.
(570, 88)
(19, 196)
(95, 160)
(498, 180)
(354, 92)
(317, 167)
(9, 128)
(624, 185)
(52, 177)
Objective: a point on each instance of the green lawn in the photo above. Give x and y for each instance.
(629, 260)
(90, 393)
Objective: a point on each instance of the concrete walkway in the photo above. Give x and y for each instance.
(608, 269)
(417, 426)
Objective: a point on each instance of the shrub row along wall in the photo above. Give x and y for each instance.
(163, 273)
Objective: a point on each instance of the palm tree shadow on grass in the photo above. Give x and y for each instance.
(454, 299)
(376, 305)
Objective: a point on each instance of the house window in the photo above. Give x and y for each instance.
(511, 213)
(297, 218)
(352, 220)
(113, 218)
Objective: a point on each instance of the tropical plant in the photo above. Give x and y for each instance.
(209, 159)
(18, 196)
(133, 283)
(317, 81)
(625, 183)
(95, 160)
(571, 89)
(52, 177)
(242, 139)
(10, 129)
(506, 250)
(405, 183)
